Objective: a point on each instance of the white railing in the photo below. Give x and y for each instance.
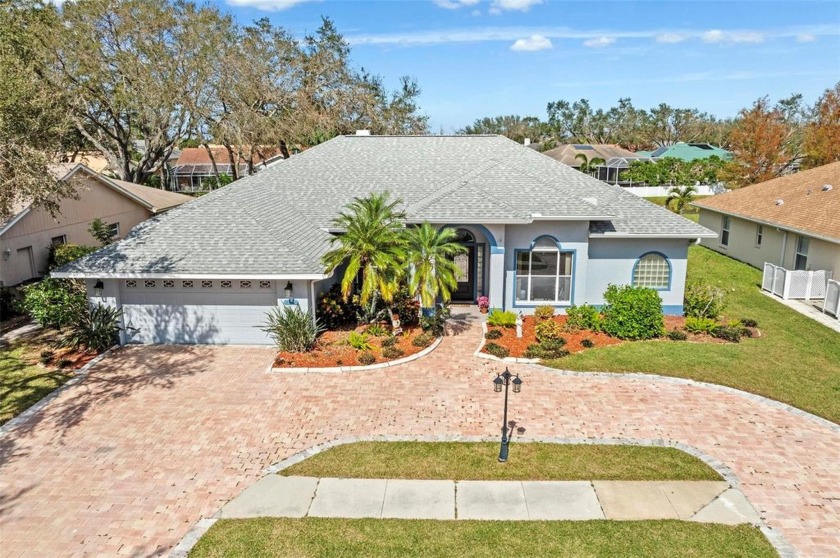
(788, 284)
(831, 305)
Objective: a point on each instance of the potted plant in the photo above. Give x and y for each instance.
(483, 304)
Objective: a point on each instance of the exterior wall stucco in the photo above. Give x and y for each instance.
(613, 261)
(742, 247)
(37, 228)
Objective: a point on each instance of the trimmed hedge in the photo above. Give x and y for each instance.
(633, 313)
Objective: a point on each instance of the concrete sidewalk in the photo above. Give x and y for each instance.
(705, 501)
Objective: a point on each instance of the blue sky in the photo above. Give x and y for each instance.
(477, 58)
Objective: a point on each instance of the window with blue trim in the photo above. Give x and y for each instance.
(653, 271)
(544, 274)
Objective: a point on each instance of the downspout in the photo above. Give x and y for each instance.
(784, 249)
(312, 302)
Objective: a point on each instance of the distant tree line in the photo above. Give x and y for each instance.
(767, 139)
(135, 79)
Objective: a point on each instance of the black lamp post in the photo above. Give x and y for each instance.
(504, 380)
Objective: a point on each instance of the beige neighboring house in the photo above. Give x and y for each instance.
(27, 235)
(792, 221)
(568, 153)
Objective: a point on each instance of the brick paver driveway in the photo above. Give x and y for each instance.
(157, 437)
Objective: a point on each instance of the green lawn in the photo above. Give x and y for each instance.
(796, 360)
(319, 537)
(478, 461)
(22, 381)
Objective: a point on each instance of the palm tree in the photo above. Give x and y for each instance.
(680, 197)
(588, 165)
(372, 246)
(429, 252)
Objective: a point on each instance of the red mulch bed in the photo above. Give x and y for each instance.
(331, 350)
(517, 346)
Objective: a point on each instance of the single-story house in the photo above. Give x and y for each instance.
(792, 221)
(568, 153)
(194, 171)
(537, 233)
(611, 172)
(27, 235)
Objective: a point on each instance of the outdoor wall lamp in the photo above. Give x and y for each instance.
(504, 380)
(98, 287)
(289, 292)
(7, 253)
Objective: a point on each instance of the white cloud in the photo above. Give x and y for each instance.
(513, 5)
(806, 38)
(531, 44)
(455, 4)
(599, 42)
(512, 33)
(671, 38)
(718, 36)
(267, 5)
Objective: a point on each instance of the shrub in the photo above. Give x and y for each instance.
(293, 329)
(633, 312)
(499, 318)
(583, 317)
(745, 332)
(389, 341)
(55, 302)
(547, 350)
(377, 330)
(700, 325)
(98, 329)
(748, 322)
(677, 335)
(63, 254)
(366, 358)
(587, 343)
(334, 310)
(727, 333)
(359, 341)
(548, 329)
(9, 306)
(392, 352)
(543, 312)
(703, 301)
(493, 334)
(64, 363)
(496, 350)
(436, 323)
(406, 307)
(423, 340)
(46, 356)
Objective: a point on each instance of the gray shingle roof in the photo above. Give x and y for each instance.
(275, 222)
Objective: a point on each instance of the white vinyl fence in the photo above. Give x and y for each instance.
(787, 284)
(832, 298)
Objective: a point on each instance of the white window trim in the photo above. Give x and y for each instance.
(759, 235)
(725, 226)
(557, 276)
(798, 252)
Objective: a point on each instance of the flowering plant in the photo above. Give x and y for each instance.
(483, 302)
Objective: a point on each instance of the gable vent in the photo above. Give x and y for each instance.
(780, 202)
(826, 187)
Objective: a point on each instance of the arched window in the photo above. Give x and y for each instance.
(463, 235)
(652, 270)
(544, 273)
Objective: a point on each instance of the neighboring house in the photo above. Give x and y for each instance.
(611, 172)
(27, 235)
(792, 221)
(568, 153)
(537, 233)
(194, 172)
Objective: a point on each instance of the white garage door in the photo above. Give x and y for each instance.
(197, 311)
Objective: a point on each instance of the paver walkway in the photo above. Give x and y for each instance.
(127, 460)
(276, 496)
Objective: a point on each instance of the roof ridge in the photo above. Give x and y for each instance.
(515, 210)
(451, 186)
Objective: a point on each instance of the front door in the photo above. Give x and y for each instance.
(465, 275)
